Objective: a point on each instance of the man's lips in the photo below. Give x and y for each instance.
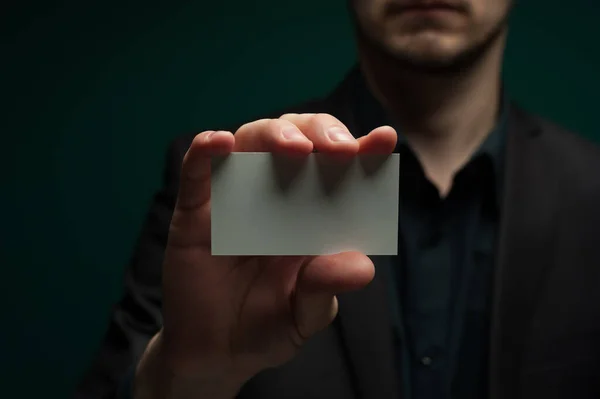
(424, 6)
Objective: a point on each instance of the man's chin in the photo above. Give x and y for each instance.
(430, 48)
(439, 54)
(438, 51)
(429, 59)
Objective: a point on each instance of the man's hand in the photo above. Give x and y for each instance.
(228, 318)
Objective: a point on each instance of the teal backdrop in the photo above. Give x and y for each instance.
(92, 92)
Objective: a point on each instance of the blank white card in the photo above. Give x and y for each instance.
(265, 204)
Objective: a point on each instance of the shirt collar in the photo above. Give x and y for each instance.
(371, 114)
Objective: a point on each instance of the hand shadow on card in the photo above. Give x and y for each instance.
(287, 171)
(372, 163)
(332, 173)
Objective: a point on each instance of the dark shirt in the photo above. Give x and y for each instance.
(442, 293)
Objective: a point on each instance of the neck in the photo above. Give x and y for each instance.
(445, 117)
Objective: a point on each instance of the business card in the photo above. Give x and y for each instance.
(267, 204)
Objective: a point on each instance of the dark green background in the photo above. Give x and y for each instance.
(93, 91)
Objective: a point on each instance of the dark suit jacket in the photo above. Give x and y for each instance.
(545, 329)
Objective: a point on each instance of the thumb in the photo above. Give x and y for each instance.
(315, 305)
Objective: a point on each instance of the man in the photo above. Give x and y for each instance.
(495, 293)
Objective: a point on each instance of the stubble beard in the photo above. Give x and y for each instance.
(459, 62)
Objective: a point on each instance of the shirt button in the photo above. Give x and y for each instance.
(426, 361)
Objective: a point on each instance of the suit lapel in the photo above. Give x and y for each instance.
(366, 329)
(526, 238)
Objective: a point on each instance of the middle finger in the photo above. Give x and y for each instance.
(326, 132)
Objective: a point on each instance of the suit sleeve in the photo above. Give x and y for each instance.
(137, 316)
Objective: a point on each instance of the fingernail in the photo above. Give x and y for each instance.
(293, 134)
(337, 133)
(215, 133)
(210, 134)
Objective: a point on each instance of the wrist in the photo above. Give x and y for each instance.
(157, 378)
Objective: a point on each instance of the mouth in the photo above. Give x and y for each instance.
(429, 7)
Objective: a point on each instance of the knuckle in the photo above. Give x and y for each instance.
(328, 120)
(272, 129)
(294, 115)
(314, 120)
(286, 124)
(249, 126)
(274, 125)
(325, 117)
